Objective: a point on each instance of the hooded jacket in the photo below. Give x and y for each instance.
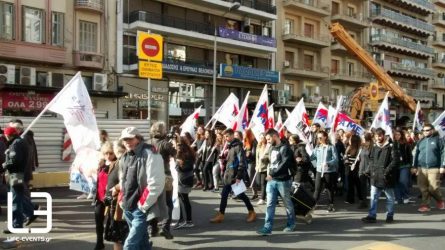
(281, 158)
(384, 162)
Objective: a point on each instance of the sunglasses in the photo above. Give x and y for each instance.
(426, 130)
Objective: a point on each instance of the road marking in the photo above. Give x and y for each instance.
(381, 246)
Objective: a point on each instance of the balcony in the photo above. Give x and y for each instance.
(439, 19)
(423, 7)
(439, 3)
(308, 71)
(32, 52)
(271, 9)
(401, 46)
(417, 94)
(89, 5)
(196, 31)
(337, 47)
(402, 22)
(408, 71)
(439, 41)
(87, 60)
(439, 84)
(350, 19)
(314, 7)
(439, 62)
(351, 77)
(315, 41)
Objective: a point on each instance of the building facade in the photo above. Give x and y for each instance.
(43, 43)
(244, 34)
(438, 85)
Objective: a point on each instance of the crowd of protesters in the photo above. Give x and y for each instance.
(134, 192)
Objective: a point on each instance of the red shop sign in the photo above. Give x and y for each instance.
(25, 101)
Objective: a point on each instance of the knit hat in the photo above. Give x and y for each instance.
(8, 131)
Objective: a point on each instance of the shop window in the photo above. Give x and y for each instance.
(6, 21)
(33, 25)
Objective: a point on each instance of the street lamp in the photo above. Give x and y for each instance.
(234, 6)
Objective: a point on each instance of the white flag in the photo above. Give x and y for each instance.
(419, 119)
(321, 116)
(228, 112)
(298, 122)
(190, 123)
(439, 124)
(242, 120)
(382, 118)
(270, 117)
(331, 116)
(258, 121)
(74, 104)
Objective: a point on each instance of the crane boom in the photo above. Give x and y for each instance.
(339, 33)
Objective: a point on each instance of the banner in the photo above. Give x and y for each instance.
(419, 119)
(298, 122)
(383, 119)
(347, 124)
(439, 124)
(260, 115)
(242, 120)
(321, 116)
(228, 112)
(190, 123)
(270, 117)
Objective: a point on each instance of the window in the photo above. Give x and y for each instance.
(334, 66)
(6, 21)
(88, 37)
(288, 26)
(34, 25)
(351, 11)
(308, 62)
(176, 52)
(57, 29)
(335, 8)
(308, 30)
(350, 69)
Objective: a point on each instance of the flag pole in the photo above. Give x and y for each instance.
(49, 105)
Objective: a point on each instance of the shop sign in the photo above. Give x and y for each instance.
(143, 96)
(25, 101)
(187, 69)
(251, 74)
(247, 37)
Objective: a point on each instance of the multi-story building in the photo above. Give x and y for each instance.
(44, 43)
(438, 20)
(243, 32)
(313, 64)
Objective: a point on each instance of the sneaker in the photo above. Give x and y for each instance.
(424, 209)
(407, 201)
(440, 205)
(369, 219)
(289, 229)
(189, 224)
(254, 197)
(331, 208)
(264, 232)
(166, 234)
(179, 224)
(216, 190)
(82, 196)
(261, 202)
(389, 219)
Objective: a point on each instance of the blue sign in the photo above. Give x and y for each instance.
(247, 73)
(247, 37)
(187, 69)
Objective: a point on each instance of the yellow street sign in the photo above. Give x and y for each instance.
(149, 46)
(151, 70)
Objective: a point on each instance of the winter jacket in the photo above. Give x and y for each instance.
(165, 149)
(185, 173)
(429, 152)
(16, 160)
(281, 159)
(143, 162)
(299, 150)
(235, 162)
(325, 154)
(405, 152)
(364, 161)
(384, 162)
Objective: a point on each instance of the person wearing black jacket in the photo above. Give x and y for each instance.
(406, 159)
(383, 165)
(234, 172)
(302, 159)
(278, 182)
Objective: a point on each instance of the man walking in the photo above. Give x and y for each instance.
(234, 172)
(278, 182)
(142, 182)
(429, 166)
(383, 163)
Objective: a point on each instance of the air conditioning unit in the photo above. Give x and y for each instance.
(286, 63)
(55, 80)
(27, 76)
(100, 82)
(246, 22)
(281, 100)
(7, 74)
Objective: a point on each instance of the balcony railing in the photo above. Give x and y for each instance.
(352, 74)
(439, 17)
(320, 38)
(171, 21)
(356, 16)
(403, 43)
(88, 59)
(405, 20)
(269, 8)
(439, 59)
(313, 3)
(394, 66)
(423, 3)
(420, 93)
(90, 4)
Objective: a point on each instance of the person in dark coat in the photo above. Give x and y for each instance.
(384, 161)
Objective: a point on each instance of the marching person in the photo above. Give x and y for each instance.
(142, 182)
(234, 172)
(278, 182)
(384, 163)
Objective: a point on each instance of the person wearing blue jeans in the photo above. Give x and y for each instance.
(138, 236)
(406, 159)
(278, 182)
(384, 160)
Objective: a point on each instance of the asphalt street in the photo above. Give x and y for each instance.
(74, 228)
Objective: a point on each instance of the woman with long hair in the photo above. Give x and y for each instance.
(351, 169)
(196, 146)
(217, 166)
(261, 168)
(250, 144)
(363, 167)
(326, 159)
(185, 158)
(208, 159)
(406, 159)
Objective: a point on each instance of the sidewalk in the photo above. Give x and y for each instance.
(74, 227)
